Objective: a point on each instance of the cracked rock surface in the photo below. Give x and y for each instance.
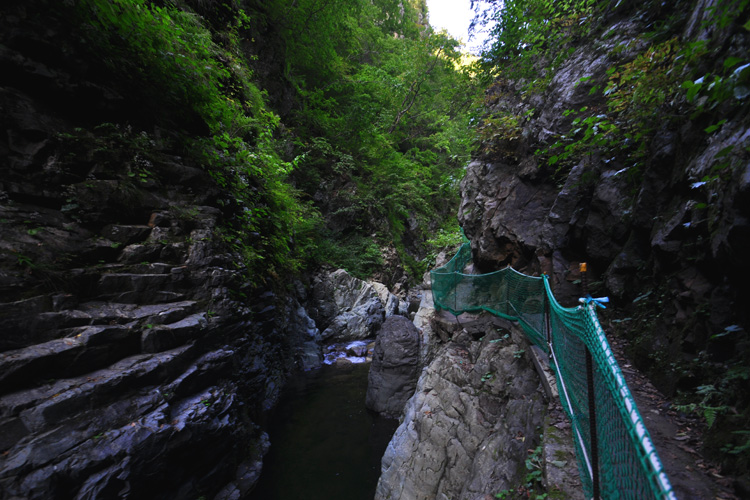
(476, 412)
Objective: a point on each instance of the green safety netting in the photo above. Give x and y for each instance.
(628, 464)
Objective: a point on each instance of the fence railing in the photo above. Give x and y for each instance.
(616, 457)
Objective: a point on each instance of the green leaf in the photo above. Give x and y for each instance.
(714, 127)
(724, 152)
(692, 88)
(742, 73)
(710, 413)
(552, 160)
(731, 62)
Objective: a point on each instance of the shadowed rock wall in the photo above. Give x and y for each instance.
(652, 228)
(134, 361)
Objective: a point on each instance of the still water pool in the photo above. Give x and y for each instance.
(325, 445)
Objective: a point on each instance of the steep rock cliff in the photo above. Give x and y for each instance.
(135, 361)
(663, 227)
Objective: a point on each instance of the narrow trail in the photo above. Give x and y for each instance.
(678, 437)
(618, 456)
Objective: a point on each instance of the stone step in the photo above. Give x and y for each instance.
(149, 328)
(152, 268)
(88, 348)
(143, 267)
(102, 446)
(34, 410)
(154, 314)
(131, 288)
(97, 313)
(137, 253)
(126, 234)
(55, 318)
(107, 398)
(161, 337)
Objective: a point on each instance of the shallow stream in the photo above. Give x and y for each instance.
(325, 445)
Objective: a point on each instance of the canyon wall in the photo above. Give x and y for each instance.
(662, 219)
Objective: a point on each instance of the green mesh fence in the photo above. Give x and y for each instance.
(628, 464)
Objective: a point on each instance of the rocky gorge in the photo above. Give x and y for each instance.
(141, 353)
(135, 361)
(556, 182)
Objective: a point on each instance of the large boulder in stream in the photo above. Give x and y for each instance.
(394, 368)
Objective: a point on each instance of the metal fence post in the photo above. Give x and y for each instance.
(592, 399)
(547, 322)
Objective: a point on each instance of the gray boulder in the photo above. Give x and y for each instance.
(346, 308)
(467, 430)
(391, 303)
(394, 368)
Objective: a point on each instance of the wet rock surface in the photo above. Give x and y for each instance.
(395, 367)
(134, 360)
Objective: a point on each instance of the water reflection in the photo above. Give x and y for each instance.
(324, 443)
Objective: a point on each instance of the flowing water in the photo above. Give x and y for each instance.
(325, 445)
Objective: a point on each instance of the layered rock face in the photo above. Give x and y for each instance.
(348, 308)
(467, 429)
(134, 362)
(662, 235)
(132, 371)
(138, 376)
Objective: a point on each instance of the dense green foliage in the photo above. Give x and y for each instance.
(381, 127)
(670, 80)
(166, 58)
(371, 148)
(528, 35)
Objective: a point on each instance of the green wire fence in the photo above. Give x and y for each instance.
(616, 457)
